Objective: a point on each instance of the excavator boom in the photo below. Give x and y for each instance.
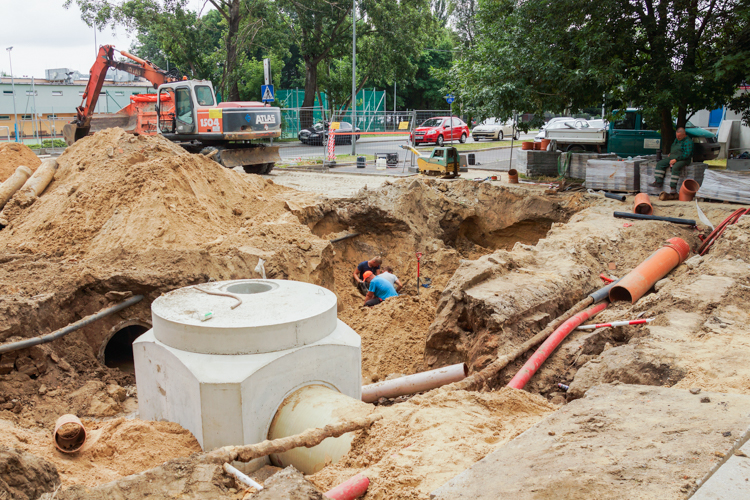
(105, 59)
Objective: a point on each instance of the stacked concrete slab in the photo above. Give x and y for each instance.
(537, 163)
(578, 162)
(725, 186)
(613, 175)
(692, 171)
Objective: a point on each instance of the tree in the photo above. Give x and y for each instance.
(463, 13)
(561, 55)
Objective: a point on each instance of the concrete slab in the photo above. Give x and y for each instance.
(730, 482)
(618, 442)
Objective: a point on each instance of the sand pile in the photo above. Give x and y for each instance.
(113, 448)
(13, 155)
(424, 442)
(116, 191)
(393, 334)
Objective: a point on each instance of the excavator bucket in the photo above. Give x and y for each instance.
(72, 133)
(256, 155)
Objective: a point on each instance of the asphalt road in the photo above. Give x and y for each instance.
(493, 158)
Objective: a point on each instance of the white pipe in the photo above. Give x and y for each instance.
(244, 479)
(616, 323)
(412, 384)
(13, 184)
(42, 177)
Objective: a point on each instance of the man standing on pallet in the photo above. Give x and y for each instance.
(680, 156)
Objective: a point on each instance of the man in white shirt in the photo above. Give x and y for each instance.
(388, 275)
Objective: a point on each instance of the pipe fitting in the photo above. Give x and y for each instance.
(688, 189)
(642, 204)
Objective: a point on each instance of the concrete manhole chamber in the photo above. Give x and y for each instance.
(223, 358)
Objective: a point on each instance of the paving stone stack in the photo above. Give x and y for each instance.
(578, 162)
(534, 163)
(725, 186)
(693, 171)
(613, 175)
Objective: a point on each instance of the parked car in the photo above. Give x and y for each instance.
(494, 129)
(318, 134)
(438, 130)
(561, 122)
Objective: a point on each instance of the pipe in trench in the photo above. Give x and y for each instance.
(674, 220)
(13, 184)
(352, 488)
(314, 406)
(242, 478)
(23, 344)
(411, 384)
(642, 204)
(640, 280)
(345, 237)
(547, 348)
(70, 442)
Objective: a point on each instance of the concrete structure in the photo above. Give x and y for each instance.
(731, 481)
(224, 378)
(53, 102)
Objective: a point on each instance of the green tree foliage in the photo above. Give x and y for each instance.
(561, 55)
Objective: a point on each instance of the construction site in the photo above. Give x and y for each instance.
(181, 379)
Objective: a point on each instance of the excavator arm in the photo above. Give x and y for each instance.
(105, 59)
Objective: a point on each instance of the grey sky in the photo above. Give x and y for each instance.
(44, 35)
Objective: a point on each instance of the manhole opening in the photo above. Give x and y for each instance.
(119, 350)
(248, 288)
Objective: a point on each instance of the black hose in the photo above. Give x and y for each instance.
(352, 235)
(628, 215)
(23, 344)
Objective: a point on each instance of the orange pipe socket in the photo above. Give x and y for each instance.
(688, 190)
(640, 280)
(71, 438)
(642, 204)
(512, 176)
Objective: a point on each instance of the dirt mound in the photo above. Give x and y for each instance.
(422, 443)
(393, 334)
(13, 155)
(116, 191)
(113, 448)
(24, 476)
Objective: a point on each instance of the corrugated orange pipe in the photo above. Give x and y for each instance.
(642, 204)
(640, 280)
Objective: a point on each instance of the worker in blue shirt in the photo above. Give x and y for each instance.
(379, 289)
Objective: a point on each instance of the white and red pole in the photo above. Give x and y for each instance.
(419, 258)
(616, 323)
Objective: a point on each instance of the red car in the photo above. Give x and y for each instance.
(438, 130)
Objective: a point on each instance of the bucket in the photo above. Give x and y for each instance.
(361, 161)
(545, 144)
(513, 176)
(642, 204)
(688, 189)
(527, 145)
(537, 146)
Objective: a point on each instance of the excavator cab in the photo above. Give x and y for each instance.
(181, 118)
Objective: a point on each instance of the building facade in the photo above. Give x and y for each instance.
(44, 106)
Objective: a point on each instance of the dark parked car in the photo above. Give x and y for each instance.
(318, 134)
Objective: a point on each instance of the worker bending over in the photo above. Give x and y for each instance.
(680, 155)
(373, 266)
(379, 289)
(388, 275)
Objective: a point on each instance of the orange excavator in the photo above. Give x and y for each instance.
(183, 111)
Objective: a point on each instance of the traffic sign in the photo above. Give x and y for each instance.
(267, 93)
(450, 98)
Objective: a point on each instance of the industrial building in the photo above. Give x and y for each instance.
(44, 105)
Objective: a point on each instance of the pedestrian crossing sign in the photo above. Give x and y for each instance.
(267, 93)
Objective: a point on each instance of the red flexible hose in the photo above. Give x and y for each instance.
(716, 233)
(540, 356)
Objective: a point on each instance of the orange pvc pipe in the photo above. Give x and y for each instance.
(640, 280)
(69, 444)
(688, 190)
(642, 204)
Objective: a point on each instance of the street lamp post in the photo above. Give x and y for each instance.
(354, 78)
(13, 88)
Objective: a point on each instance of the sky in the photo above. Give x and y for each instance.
(44, 35)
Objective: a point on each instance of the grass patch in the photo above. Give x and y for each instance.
(475, 146)
(719, 163)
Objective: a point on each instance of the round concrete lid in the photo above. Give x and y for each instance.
(274, 315)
